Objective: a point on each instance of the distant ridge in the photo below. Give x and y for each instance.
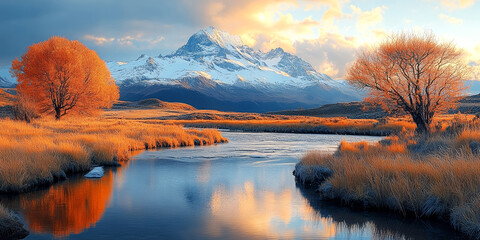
(152, 103)
(354, 110)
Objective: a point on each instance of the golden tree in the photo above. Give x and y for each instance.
(63, 76)
(412, 73)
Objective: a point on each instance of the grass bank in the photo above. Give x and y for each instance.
(257, 122)
(316, 125)
(45, 151)
(11, 227)
(428, 177)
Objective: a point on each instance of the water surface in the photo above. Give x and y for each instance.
(240, 190)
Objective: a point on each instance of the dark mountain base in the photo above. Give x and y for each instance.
(203, 101)
(353, 110)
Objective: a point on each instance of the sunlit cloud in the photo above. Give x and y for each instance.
(98, 40)
(457, 4)
(330, 53)
(334, 8)
(368, 19)
(474, 61)
(127, 40)
(313, 29)
(450, 19)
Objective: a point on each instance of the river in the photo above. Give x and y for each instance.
(241, 190)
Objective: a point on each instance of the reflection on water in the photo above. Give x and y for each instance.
(68, 208)
(260, 213)
(241, 190)
(379, 225)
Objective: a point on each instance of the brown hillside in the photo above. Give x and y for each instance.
(6, 98)
(6, 102)
(152, 103)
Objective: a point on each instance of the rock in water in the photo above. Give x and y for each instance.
(96, 172)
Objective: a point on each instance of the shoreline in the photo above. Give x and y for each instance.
(434, 178)
(44, 152)
(313, 130)
(38, 155)
(326, 194)
(43, 183)
(383, 220)
(11, 225)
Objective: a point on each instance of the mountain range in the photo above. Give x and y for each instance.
(216, 70)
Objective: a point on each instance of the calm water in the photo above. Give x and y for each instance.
(240, 190)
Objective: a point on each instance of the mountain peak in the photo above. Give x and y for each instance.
(210, 41)
(277, 52)
(222, 38)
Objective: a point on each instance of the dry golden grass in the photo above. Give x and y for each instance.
(39, 153)
(437, 176)
(254, 122)
(305, 125)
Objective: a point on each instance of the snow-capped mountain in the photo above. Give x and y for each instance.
(217, 70)
(6, 79)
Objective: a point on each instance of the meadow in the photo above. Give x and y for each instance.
(255, 122)
(433, 176)
(45, 151)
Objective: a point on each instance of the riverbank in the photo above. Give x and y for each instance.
(426, 177)
(11, 227)
(44, 151)
(256, 122)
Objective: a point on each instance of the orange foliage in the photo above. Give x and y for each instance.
(412, 73)
(64, 76)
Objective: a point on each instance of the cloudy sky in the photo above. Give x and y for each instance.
(326, 33)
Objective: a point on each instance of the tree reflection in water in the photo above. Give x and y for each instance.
(69, 207)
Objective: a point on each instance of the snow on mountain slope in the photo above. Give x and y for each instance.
(217, 70)
(224, 58)
(6, 79)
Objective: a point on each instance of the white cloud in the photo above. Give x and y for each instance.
(126, 40)
(98, 40)
(450, 19)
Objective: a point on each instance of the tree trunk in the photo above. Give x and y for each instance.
(423, 127)
(58, 115)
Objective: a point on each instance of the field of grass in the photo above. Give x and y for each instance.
(44, 151)
(430, 177)
(255, 122)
